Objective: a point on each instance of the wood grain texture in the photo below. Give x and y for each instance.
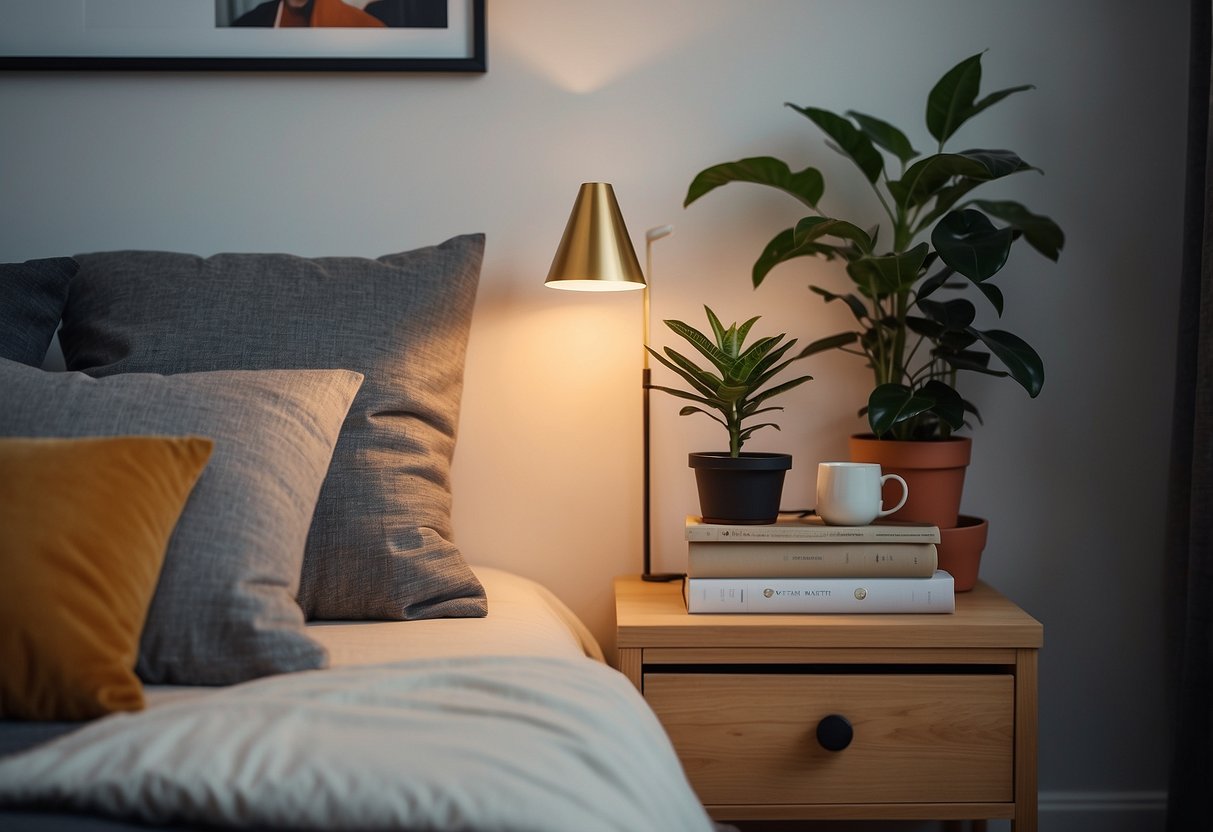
(750, 738)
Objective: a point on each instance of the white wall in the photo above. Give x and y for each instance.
(644, 94)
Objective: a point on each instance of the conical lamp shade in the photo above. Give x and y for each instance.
(596, 253)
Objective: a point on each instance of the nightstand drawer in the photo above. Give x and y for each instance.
(751, 738)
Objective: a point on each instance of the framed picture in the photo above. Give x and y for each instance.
(310, 35)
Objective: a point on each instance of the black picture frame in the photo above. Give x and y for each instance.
(476, 61)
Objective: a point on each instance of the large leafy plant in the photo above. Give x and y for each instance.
(914, 337)
(733, 385)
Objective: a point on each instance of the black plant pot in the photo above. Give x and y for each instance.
(744, 489)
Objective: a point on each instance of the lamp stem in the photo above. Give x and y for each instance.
(646, 381)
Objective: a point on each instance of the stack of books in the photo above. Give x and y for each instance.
(802, 565)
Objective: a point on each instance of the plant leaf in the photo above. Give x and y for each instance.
(957, 313)
(688, 410)
(851, 142)
(889, 404)
(781, 388)
(699, 379)
(783, 247)
(831, 342)
(949, 406)
(1042, 233)
(885, 135)
(717, 326)
(929, 176)
(699, 341)
(810, 229)
(969, 243)
(1021, 360)
(857, 306)
(998, 163)
(935, 281)
(951, 99)
(994, 294)
(994, 97)
(806, 185)
(890, 273)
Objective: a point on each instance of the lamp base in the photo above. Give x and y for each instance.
(662, 577)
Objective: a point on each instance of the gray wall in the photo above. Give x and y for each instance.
(644, 94)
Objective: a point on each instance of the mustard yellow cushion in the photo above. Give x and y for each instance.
(84, 525)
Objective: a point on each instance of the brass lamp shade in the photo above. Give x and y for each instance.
(595, 253)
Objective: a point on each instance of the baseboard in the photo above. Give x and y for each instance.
(1136, 811)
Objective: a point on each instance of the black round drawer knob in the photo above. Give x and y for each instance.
(834, 732)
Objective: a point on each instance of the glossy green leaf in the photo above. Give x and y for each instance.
(885, 135)
(936, 281)
(993, 294)
(957, 313)
(700, 342)
(890, 273)
(1021, 361)
(994, 97)
(1042, 233)
(890, 404)
(831, 342)
(951, 100)
(688, 410)
(949, 406)
(850, 140)
(857, 306)
(783, 248)
(998, 163)
(811, 229)
(928, 176)
(969, 243)
(806, 185)
(780, 389)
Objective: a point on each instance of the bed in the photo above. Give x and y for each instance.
(254, 615)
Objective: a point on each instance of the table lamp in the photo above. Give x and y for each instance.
(596, 255)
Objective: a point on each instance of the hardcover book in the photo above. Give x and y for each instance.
(935, 594)
(811, 528)
(794, 559)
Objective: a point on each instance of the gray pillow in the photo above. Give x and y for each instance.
(224, 608)
(32, 296)
(380, 544)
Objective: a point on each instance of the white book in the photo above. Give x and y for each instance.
(936, 594)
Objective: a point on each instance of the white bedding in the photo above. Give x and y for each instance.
(507, 723)
(525, 619)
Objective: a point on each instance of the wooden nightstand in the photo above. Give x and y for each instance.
(942, 707)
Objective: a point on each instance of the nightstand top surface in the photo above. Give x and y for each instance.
(655, 615)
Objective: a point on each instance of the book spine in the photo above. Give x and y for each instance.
(807, 533)
(826, 595)
(762, 559)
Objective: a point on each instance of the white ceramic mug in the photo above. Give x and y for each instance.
(848, 493)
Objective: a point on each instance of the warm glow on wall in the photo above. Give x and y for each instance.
(584, 47)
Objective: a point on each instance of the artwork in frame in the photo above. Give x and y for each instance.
(315, 35)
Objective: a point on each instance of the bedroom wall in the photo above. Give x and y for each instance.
(644, 94)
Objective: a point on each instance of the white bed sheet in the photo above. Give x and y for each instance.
(524, 619)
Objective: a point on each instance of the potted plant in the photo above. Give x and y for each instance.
(734, 486)
(915, 334)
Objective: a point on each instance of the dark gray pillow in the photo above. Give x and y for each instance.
(224, 609)
(32, 296)
(380, 544)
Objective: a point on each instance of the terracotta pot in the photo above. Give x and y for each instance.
(744, 489)
(960, 550)
(934, 470)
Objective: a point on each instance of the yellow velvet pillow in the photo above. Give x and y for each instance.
(84, 525)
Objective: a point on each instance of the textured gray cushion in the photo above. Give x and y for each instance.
(224, 608)
(380, 545)
(32, 296)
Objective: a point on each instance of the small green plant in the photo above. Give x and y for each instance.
(734, 388)
(914, 342)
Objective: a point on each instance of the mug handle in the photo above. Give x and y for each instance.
(905, 493)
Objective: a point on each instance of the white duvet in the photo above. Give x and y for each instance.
(471, 743)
